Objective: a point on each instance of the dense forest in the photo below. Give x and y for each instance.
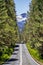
(8, 29)
(33, 32)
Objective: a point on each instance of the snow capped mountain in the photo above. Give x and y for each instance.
(24, 15)
(21, 17)
(21, 20)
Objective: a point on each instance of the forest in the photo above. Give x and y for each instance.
(8, 29)
(32, 34)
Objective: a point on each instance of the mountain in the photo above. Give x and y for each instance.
(21, 25)
(24, 15)
(21, 20)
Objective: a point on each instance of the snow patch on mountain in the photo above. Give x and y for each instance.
(21, 17)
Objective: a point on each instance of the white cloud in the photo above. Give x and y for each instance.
(20, 18)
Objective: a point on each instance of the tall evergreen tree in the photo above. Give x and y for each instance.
(8, 27)
(35, 25)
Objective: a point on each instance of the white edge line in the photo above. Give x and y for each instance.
(31, 57)
(20, 54)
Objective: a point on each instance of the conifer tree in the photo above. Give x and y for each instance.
(35, 25)
(8, 27)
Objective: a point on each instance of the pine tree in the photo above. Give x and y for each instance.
(35, 25)
(3, 13)
(8, 27)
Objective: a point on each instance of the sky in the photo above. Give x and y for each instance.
(22, 6)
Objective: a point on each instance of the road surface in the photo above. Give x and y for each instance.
(21, 56)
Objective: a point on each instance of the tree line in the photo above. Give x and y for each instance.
(33, 32)
(8, 29)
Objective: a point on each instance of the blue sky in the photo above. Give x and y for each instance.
(22, 6)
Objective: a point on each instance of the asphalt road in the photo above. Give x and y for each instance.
(21, 56)
(15, 58)
(26, 57)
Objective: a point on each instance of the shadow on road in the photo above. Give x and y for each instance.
(13, 59)
(16, 49)
(14, 54)
(16, 45)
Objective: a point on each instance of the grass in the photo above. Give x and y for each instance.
(35, 54)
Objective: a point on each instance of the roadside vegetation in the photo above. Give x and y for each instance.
(35, 54)
(33, 32)
(8, 29)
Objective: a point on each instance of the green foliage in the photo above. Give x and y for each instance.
(33, 32)
(8, 28)
(5, 57)
(34, 53)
